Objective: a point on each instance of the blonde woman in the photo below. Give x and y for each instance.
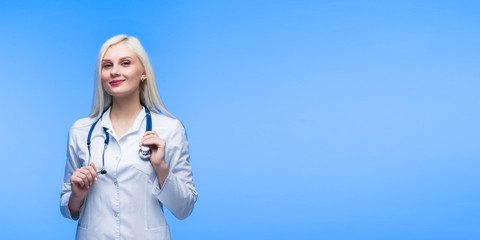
(126, 160)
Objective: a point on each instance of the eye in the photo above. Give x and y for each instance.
(126, 63)
(107, 65)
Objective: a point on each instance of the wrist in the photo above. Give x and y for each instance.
(162, 171)
(76, 200)
(74, 205)
(161, 168)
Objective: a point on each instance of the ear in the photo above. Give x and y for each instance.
(144, 76)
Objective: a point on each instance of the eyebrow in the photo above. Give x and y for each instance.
(123, 58)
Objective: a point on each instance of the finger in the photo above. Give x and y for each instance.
(152, 140)
(84, 178)
(156, 142)
(93, 171)
(76, 180)
(79, 180)
(150, 132)
(148, 137)
(94, 168)
(88, 174)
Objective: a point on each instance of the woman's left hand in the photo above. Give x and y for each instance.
(157, 157)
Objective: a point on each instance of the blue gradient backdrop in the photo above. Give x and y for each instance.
(306, 119)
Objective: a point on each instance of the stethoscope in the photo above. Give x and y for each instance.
(144, 151)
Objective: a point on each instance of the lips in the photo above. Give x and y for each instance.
(116, 82)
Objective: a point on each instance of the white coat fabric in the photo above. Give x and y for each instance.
(127, 202)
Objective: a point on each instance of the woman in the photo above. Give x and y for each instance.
(112, 188)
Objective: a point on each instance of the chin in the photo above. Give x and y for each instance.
(120, 93)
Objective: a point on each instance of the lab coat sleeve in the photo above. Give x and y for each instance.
(178, 193)
(72, 164)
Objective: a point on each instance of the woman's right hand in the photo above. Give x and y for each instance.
(82, 181)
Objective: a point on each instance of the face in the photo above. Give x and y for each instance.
(122, 71)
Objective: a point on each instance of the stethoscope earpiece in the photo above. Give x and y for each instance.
(144, 152)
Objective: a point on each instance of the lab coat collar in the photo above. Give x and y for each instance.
(107, 122)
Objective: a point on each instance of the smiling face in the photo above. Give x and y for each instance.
(122, 71)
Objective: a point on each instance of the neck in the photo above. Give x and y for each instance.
(125, 108)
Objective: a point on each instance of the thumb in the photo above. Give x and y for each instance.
(93, 165)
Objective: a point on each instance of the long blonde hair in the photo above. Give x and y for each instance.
(149, 95)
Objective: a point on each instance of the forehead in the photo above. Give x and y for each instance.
(118, 51)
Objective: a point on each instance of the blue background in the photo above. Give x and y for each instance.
(306, 119)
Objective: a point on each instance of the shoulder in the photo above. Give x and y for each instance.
(81, 126)
(164, 121)
(167, 124)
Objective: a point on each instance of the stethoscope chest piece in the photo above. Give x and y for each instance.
(144, 152)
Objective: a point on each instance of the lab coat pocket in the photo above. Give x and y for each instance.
(145, 167)
(154, 218)
(162, 232)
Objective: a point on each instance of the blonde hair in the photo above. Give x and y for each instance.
(149, 95)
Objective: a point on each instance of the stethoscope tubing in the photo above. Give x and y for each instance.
(144, 151)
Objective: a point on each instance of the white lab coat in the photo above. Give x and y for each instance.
(127, 202)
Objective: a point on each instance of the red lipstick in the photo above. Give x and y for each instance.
(116, 82)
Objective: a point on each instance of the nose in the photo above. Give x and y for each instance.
(114, 71)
